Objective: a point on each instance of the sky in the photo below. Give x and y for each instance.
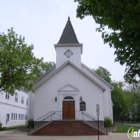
(41, 22)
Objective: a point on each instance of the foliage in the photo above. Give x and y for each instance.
(119, 104)
(107, 121)
(132, 97)
(129, 98)
(30, 123)
(122, 20)
(104, 73)
(124, 128)
(19, 68)
(44, 66)
(0, 125)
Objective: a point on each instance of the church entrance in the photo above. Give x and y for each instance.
(68, 109)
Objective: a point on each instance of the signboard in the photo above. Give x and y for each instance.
(97, 109)
(82, 106)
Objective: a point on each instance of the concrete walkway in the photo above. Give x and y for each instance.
(19, 135)
(131, 124)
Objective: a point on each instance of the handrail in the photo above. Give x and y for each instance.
(45, 115)
(43, 118)
(89, 115)
(49, 115)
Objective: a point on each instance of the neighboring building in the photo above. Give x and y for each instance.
(13, 109)
(70, 90)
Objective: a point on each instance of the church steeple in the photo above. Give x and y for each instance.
(68, 36)
(68, 48)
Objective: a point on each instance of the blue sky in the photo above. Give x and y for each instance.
(41, 22)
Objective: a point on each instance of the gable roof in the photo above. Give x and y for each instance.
(96, 75)
(68, 36)
(45, 77)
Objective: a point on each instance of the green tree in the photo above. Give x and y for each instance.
(122, 18)
(132, 97)
(104, 73)
(129, 98)
(42, 68)
(119, 104)
(19, 68)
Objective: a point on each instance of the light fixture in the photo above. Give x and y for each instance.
(55, 99)
(80, 98)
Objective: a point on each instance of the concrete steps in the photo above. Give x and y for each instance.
(94, 124)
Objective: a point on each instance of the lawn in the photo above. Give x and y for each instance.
(124, 128)
(13, 127)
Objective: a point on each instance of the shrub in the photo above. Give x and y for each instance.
(107, 121)
(30, 123)
(0, 125)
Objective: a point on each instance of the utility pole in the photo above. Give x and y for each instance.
(98, 113)
(98, 127)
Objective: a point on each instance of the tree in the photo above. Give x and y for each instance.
(19, 68)
(122, 18)
(119, 104)
(104, 73)
(42, 68)
(132, 96)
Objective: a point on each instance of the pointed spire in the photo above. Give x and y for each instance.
(68, 18)
(68, 36)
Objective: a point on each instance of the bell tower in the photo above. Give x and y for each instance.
(68, 47)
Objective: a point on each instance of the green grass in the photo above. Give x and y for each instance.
(13, 127)
(124, 128)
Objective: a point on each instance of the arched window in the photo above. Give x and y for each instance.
(82, 106)
(68, 97)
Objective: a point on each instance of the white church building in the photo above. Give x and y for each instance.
(70, 90)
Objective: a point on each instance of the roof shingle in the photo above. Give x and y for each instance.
(68, 36)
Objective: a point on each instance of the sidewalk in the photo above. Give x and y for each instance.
(19, 135)
(131, 124)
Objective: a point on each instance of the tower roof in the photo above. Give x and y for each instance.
(68, 36)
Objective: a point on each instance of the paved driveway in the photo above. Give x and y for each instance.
(18, 135)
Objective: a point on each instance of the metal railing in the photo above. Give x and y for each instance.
(90, 116)
(64, 115)
(47, 115)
